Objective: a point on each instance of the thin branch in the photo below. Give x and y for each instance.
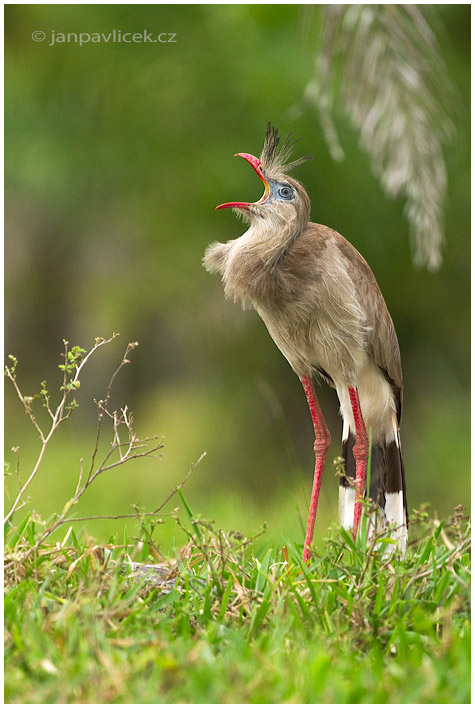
(105, 468)
(25, 402)
(58, 418)
(180, 486)
(100, 517)
(102, 405)
(14, 507)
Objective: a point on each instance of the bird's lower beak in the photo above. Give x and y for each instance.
(256, 164)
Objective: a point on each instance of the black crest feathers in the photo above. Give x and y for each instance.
(273, 158)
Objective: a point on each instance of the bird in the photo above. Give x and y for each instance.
(322, 306)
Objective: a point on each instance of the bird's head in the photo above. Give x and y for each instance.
(284, 198)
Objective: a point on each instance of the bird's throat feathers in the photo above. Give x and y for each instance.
(249, 265)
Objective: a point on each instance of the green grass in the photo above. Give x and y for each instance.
(240, 625)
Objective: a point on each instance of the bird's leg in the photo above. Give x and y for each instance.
(361, 453)
(322, 442)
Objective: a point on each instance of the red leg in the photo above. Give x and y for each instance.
(361, 453)
(322, 442)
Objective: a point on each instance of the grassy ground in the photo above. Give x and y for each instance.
(231, 627)
(231, 620)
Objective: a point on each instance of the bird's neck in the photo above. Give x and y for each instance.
(267, 239)
(251, 272)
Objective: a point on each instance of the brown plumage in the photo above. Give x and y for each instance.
(322, 306)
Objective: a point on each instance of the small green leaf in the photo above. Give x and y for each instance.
(14, 361)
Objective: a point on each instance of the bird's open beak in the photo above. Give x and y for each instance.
(256, 164)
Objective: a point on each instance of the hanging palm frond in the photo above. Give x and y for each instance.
(381, 65)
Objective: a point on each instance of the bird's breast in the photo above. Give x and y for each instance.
(314, 340)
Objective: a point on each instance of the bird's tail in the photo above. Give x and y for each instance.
(387, 486)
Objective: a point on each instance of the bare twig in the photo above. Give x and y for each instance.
(102, 405)
(59, 415)
(116, 517)
(181, 485)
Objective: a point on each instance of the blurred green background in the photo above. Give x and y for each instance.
(116, 155)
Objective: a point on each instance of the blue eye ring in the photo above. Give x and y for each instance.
(285, 192)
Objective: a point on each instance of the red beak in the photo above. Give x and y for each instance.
(256, 164)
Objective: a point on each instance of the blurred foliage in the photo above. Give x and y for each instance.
(115, 156)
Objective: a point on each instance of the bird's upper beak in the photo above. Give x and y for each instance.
(256, 164)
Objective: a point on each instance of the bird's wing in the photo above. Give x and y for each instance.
(382, 344)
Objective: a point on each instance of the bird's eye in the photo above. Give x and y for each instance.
(286, 192)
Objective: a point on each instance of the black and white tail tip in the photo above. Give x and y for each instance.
(387, 487)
